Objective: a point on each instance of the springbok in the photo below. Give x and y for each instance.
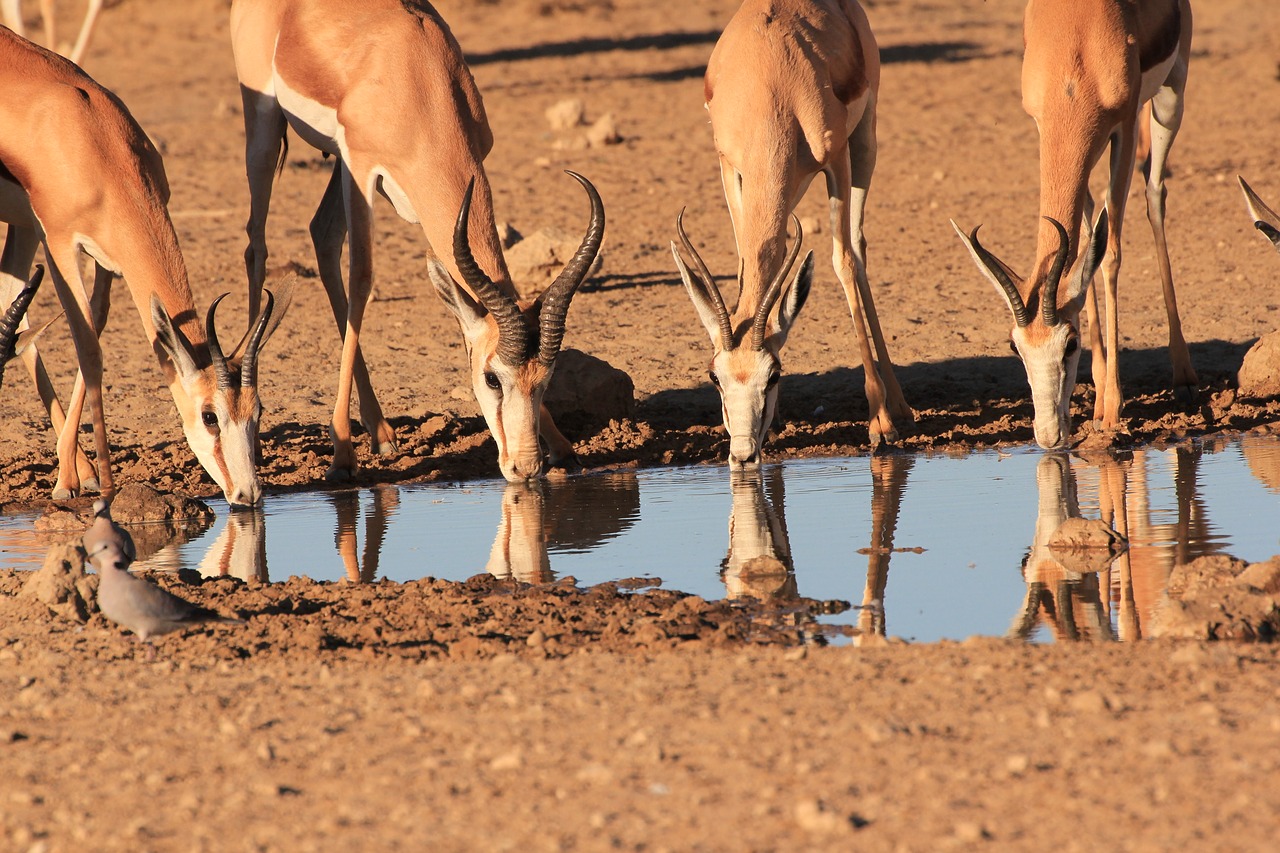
(792, 89)
(1088, 68)
(383, 86)
(12, 12)
(78, 174)
(1264, 218)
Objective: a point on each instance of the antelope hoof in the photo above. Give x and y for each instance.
(90, 485)
(339, 474)
(1186, 395)
(63, 494)
(385, 448)
(880, 437)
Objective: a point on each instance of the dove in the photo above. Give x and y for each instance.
(132, 602)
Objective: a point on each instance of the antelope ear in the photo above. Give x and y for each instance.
(1088, 266)
(793, 300)
(28, 337)
(173, 343)
(696, 288)
(1264, 218)
(992, 274)
(282, 294)
(469, 313)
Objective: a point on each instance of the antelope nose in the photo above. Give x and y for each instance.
(526, 470)
(245, 497)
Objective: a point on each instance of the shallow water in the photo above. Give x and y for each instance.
(925, 547)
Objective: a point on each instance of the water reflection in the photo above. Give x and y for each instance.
(888, 482)
(1063, 591)
(976, 528)
(758, 563)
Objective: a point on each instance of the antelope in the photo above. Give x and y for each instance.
(1088, 68)
(383, 87)
(12, 12)
(1265, 219)
(78, 174)
(792, 90)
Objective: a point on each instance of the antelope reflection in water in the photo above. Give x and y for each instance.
(1115, 598)
(240, 550)
(578, 513)
(758, 564)
(888, 482)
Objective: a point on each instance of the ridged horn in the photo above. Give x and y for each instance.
(555, 301)
(1020, 314)
(774, 290)
(13, 315)
(709, 285)
(513, 335)
(249, 364)
(1049, 297)
(220, 369)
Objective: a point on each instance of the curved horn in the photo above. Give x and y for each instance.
(13, 315)
(709, 285)
(774, 290)
(220, 369)
(1049, 297)
(555, 301)
(249, 364)
(1020, 314)
(513, 337)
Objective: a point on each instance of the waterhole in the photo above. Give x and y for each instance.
(923, 547)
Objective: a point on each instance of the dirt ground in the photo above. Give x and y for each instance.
(462, 716)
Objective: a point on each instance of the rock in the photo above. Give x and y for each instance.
(62, 585)
(535, 261)
(586, 390)
(1220, 598)
(1259, 375)
(1086, 545)
(508, 235)
(566, 114)
(604, 132)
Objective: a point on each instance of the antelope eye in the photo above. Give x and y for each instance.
(210, 418)
(715, 380)
(1073, 344)
(491, 379)
(1013, 348)
(773, 379)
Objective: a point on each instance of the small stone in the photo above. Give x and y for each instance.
(1088, 702)
(566, 114)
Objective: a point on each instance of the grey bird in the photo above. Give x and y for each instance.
(132, 602)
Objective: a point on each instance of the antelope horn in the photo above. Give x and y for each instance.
(1020, 314)
(555, 301)
(774, 290)
(513, 336)
(220, 369)
(249, 364)
(13, 316)
(1049, 297)
(709, 285)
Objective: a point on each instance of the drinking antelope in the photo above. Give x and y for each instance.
(12, 12)
(78, 174)
(1088, 67)
(792, 89)
(383, 87)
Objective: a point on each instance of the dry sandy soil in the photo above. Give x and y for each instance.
(483, 715)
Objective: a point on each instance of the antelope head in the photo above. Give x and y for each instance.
(221, 413)
(511, 347)
(1047, 340)
(746, 345)
(1265, 219)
